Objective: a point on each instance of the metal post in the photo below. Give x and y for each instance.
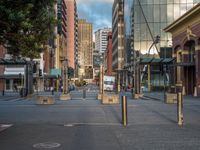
(57, 85)
(149, 78)
(100, 80)
(164, 74)
(124, 111)
(118, 83)
(84, 93)
(67, 86)
(179, 89)
(180, 108)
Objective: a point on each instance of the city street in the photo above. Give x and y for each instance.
(86, 124)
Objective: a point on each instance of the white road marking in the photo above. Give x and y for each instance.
(4, 126)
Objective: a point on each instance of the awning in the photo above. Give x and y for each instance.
(16, 76)
(155, 61)
(10, 76)
(12, 61)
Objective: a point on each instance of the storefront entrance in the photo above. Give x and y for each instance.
(189, 79)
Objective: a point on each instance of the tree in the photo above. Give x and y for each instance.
(26, 26)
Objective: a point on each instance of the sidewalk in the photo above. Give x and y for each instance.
(160, 96)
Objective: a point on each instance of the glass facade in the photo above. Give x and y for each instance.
(147, 19)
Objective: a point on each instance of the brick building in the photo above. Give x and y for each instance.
(186, 50)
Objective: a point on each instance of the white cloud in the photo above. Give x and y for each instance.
(98, 12)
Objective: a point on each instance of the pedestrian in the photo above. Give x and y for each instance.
(15, 87)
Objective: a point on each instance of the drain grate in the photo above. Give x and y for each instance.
(46, 145)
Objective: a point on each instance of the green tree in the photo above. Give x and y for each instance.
(26, 26)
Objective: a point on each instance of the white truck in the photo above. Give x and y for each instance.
(109, 82)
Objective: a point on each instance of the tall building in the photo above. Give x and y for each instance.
(108, 55)
(144, 24)
(85, 47)
(147, 19)
(101, 39)
(71, 32)
(61, 34)
(118, 35)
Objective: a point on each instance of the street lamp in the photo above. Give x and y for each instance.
(65, 76)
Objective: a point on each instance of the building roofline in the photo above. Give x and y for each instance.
(190, 12)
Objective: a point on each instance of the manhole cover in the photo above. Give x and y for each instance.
(46, 145)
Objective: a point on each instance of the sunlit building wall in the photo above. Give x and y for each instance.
(118, 35)
(101, 39)
(71, 32)
(85, 46)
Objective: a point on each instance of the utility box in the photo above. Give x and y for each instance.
(45, 100)
(110, 99)
(170, 98)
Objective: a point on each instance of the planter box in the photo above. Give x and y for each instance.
(171, 98)
(65, 97)
(110, 99)
(45, 100)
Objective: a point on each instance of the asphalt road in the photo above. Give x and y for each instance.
(86, 124)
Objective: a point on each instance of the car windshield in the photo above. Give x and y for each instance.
(108, 82)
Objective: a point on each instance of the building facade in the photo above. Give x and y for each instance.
(101, 39)
(108, 55)
(85, 48)
(144, 24)
(61, 33)
(186, 51)
(71, 32)
(2, 69)
(118, 35)
(149, 18)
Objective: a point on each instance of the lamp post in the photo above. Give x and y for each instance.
(65, 76)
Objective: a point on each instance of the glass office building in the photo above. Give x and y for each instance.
(146, 19)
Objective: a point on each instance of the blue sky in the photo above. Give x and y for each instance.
(98, 12)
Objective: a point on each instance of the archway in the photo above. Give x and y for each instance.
(188, 74)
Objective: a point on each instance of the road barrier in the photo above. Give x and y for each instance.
(124, 111)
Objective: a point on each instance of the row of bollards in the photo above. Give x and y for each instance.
(179, 110)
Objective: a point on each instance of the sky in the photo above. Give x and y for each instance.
(98, 12)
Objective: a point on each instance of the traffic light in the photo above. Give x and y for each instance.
(40, 72)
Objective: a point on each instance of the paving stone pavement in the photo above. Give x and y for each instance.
(80, 124)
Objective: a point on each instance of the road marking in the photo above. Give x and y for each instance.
(91, 124)
(4, 126)
(46, 145)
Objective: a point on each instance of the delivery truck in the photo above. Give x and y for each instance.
(109, 82)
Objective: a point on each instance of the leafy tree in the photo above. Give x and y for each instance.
(26, 26)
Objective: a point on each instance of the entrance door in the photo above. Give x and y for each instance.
(189, 79)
